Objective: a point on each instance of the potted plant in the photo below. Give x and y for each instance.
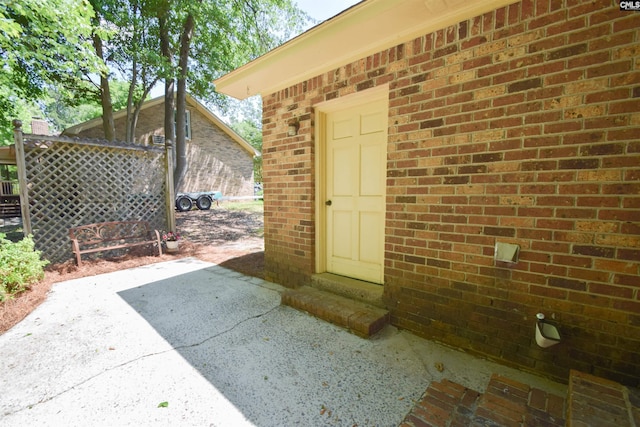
(170, 239)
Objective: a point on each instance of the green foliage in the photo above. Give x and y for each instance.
(62, 116)
(228, 34)
(62, 112)
(246, 121)
(253, 135)
(250, 111)
(20, 266)
(52, 47)
(61, 109)
(23, 110)
(8, 173)
(42, 45)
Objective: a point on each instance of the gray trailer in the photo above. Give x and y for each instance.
(203, 200)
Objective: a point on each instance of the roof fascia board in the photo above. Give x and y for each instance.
(368, 27)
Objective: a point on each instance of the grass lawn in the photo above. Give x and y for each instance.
(256, 206)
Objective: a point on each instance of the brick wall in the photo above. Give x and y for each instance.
(518, 126)
(289, 187)
(215, 161)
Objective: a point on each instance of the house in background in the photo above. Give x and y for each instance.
(218, 158)
(9, 187)
(404, 141)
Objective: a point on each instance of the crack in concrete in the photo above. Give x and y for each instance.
(257, 316)
(121, 365)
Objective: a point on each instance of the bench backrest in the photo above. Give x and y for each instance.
(91, 234)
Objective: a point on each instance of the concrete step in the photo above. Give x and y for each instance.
(444, 403)
(508, 402)
(367, 292)
(504, 403)
(595, 401)
(591, 402)
(359, 318)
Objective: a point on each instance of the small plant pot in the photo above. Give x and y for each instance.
(172, 246)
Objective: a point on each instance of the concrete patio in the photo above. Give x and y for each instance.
(191, 343)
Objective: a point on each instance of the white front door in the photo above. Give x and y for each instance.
(356, 163)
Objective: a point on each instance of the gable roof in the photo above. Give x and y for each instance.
(191, 102)
(366, 28)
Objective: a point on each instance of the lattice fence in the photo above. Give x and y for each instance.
(76, 182)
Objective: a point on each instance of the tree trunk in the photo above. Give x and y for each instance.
(165, 48)
(108, 124)
(181, 101)
(130, 131)
(135, 114)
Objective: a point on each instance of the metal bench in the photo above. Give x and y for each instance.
(105, 236)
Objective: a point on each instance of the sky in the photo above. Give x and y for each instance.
(324, 9)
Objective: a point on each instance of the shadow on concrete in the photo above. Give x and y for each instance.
(12, 227)
(250, 264)
(278, 366)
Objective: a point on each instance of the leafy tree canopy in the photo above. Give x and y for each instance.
(24, 111)
(41, 46)
(61, 114)
(253, 135)
(65, 46)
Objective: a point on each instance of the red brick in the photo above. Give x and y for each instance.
(509, 100)
(566, 126)
(545, 44)
(625, 134)
(604, 96)
(563, 77)
(624, 107)
(609, 68)
(587, 32)
(614, 291)
(629, 22)
(544, 20)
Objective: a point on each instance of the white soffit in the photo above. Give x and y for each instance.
(368, 27)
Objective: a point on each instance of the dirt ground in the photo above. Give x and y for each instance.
(230, 238)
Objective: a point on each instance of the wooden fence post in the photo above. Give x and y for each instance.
(22, 177)
(171, 199)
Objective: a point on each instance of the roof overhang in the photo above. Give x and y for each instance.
(8, 155)
(366, 28)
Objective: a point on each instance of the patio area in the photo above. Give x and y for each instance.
(190, 342)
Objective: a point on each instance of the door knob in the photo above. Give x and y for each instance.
(328, 203)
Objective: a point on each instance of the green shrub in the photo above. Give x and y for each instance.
(20, 266)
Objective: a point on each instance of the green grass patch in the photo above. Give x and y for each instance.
(256, 206)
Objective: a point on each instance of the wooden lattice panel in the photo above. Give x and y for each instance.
(74, 182)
